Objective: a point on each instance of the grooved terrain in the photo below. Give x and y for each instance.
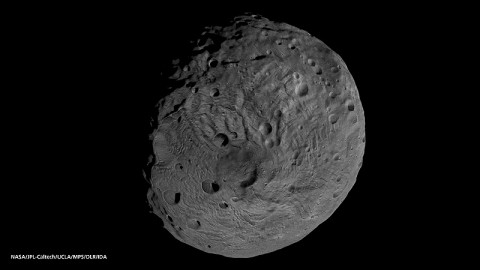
(259, 141)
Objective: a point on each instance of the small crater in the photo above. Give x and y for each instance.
(269, 143)
(221, 140)
(214, 92)
(169, 197)
(336, 194)
(311, 62)
(335, 69)
(223, 205)
(350, 106)
(278, 141)
(193, 224)
(333, 94)
(179, 167)
(279, 42)
(302, 90)
(296, 75)
(207, 187)
(291, 46)
(213, 63)
(265, 128)
(278, 113)
(333, 118)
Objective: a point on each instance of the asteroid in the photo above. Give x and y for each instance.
(259, 140)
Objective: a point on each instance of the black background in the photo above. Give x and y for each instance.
(85, 82)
